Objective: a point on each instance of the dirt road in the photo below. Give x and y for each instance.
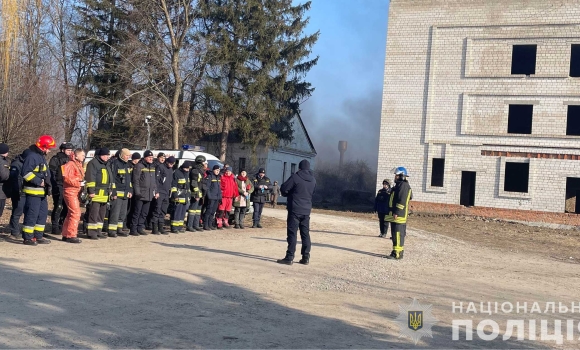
(224, 290)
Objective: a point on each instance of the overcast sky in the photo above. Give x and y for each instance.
(346, 104)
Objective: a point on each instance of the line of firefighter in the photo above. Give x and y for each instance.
(123, 194)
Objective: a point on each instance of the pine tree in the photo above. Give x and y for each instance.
(258, 57)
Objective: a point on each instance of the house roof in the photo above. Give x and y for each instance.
(306, 133)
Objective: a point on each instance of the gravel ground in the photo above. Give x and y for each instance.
(223, 289)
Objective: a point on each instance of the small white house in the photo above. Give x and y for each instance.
(280, 162)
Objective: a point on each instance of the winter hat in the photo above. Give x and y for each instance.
(147, 153)
(135, 156)
(66, 145)
(229, 168)
(387, 181)
(186, 164)
(104, 152)
(304, 165)
(4, 148)
(170, 160)
(160, 154)
(216, 167)
(262, 171)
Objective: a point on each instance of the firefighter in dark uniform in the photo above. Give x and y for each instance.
(121, 171)
(59, 209)
(398, 212)
(262, 186)
(213, 197)
(195, 179)
(100, 187)
(144, 191)
(36, 187)
(164, 184)
(180, 194)
(17, 197)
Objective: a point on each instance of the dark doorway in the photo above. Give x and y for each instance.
(572, 195)
(467, 188)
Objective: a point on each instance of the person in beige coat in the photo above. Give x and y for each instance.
(242, 201)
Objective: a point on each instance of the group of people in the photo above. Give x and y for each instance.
(127, 194)
(392, 207)
(124, 194)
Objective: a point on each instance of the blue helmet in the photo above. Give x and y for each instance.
(401, 171)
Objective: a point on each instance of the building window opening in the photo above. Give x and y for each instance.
(524, 59)
(438, 172)
(520, 119)
(516, 177)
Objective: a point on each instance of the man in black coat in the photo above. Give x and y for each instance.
(299, 189)
(59, 208)
(144, 191)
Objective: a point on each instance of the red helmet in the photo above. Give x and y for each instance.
(45, 142)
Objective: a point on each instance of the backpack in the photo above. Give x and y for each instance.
(15, 181)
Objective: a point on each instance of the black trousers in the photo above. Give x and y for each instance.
(59, 211)
(17, 211)
(258, 207)
(295, 222)
(139, 214)
(160, 210)
(212, 205)
(398, 233)
(96, 218)
(383, 226)
(117, 214)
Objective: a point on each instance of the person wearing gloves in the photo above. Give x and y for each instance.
(73, 178)
(262, 187)
(229, 192)
(241, 202)
(299, 189)
(213, 196)
(180, 194)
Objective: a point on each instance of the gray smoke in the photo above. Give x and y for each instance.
(357, 122)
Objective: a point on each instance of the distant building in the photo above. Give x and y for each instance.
(280, 162)
(481, 102)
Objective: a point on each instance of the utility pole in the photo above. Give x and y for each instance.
(147, 121)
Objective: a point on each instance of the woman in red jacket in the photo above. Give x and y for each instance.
(229, 192)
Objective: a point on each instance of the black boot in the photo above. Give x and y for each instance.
(155, 229)
(112, 234)
(134, 233)
(305, 259)
(142, 232)
(121, 233)
(162, 230)
(190, 220)
(286, 261)
(259, 226)
(255, 225)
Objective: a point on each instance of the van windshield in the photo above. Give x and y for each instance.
(211, 163)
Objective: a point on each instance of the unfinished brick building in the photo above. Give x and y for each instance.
(481, 102)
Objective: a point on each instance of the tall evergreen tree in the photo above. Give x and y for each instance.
(258, 57)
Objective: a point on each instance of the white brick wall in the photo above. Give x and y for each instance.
(448, 87)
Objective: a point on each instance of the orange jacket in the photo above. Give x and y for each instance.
(73, 174)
